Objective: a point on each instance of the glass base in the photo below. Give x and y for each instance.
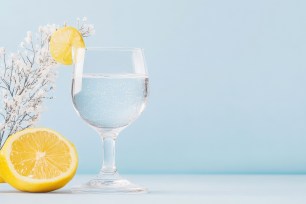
(108, 184)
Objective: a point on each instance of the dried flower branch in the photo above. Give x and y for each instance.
(27, 79)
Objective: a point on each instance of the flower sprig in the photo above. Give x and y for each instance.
(84, 28)
(27, 78)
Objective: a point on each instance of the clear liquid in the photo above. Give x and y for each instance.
(110, 101)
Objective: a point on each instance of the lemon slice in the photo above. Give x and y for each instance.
(37, 160)
(61, 44)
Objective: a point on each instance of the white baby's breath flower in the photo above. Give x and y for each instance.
(31, 109)
(84, 19)
(53, 28)
(91, 26)
(91, 29)
(45, 29)
(2, 51)
(22, 44)
(40, 29)
(27, 40)
(29, 34)
(13, 56)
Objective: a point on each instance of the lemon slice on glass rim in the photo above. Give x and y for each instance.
(37, 160)
(61, 43)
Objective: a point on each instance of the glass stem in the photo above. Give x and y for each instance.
(109, 163)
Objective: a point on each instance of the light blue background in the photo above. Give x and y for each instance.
(228, 82)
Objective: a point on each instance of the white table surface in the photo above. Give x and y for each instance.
(204, 189)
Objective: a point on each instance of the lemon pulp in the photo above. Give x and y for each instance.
(61, 43)
(37, 160)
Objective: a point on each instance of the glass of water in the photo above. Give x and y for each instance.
(109, 92)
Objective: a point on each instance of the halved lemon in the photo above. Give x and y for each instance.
(61, 43)
(1, 180)
(38, 160)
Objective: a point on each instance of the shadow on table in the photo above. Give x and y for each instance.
(20, 192)
(67, 192)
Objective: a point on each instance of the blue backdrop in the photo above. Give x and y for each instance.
(228, 82)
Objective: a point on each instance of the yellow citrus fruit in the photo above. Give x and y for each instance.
(1, 180)
(37, 160)
(61, 43)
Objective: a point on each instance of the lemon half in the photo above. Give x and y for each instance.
(61, 43)
(38, 160)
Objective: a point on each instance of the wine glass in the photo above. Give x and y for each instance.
(109, 92)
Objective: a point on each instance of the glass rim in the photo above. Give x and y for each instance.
(123, 49)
